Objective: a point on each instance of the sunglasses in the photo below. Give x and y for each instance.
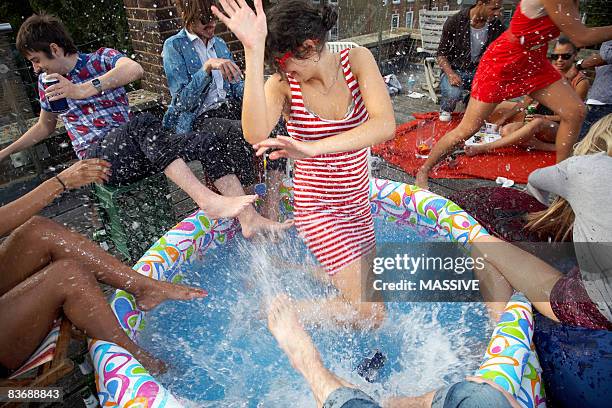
(564, 57)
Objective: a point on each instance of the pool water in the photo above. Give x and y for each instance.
(220, 352)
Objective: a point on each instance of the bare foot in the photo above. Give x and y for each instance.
(154, 292)
(473, 150)
(226, 207)
(286, 328)
(422, 180)
(253, 223)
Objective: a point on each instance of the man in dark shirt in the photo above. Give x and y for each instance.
(465, 37)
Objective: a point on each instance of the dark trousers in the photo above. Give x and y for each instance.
(143, 147)
(232, 109)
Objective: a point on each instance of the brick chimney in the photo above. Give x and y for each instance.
(150, 23)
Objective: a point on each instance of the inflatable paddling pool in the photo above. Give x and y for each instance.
(509, 360)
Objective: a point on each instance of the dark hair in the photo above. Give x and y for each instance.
(39, 31)
(193, 11)
(563, 40)
(290, 23)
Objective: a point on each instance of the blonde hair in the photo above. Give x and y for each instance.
(558, 219)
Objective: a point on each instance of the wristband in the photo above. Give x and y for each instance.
(61, 182)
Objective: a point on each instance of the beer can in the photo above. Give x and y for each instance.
(59, 105)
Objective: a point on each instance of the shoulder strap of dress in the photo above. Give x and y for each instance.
(348, 73)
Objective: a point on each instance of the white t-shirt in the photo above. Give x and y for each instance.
(216, 94)
(478, 38)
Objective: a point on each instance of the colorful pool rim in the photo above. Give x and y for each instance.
(123, 382)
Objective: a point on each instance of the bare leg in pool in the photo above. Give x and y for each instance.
(214, 205)
(285, 326)
(353, 306)
(40, 242)
(521, 270)
(63, 286)
(251, 221)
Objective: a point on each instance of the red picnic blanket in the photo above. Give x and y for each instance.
(514, 163)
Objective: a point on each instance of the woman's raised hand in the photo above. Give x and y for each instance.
(249, 26)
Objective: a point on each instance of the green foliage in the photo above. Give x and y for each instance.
(598, 12)
(93, 24)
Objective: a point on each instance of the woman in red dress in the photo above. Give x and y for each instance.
(515, 65)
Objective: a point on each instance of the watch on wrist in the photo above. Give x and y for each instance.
(96, 84)
(579, 65)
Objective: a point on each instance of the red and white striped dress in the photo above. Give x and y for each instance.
(331, 202)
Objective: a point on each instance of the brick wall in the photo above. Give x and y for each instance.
(150, 23)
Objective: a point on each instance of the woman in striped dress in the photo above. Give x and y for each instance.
(335, 106)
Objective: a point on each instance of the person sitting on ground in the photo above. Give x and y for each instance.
(599, 100)
(583, 297)
(47, 271)
(539, 131)
(205, 82)
(100, 125)
(515, 65)
(465, 37)
(331, 391)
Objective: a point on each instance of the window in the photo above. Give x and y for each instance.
(409, 19)
(335, 2)
(446, 8)
(394, 21)
(316, 1)
(434, 8)
(396, 1)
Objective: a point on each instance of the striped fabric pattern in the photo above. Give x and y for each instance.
(43, 354)
(332, 207)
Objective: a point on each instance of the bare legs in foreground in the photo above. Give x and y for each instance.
(50, 270)
(355, 305)
(559, 97)
(233, 202)
(289, 332)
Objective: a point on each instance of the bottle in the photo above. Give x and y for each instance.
(89, 399)
(411, 83)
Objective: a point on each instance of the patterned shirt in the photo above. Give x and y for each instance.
(90, 119)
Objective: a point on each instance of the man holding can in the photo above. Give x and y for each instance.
(87, 92)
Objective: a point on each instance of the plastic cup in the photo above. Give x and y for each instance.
(424, 141)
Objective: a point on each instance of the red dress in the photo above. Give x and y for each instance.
(331, 200)
(516, 64)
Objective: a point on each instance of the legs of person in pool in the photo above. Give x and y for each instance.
(29, 309)
(356, 304)
(40, 242)
(214, 205)
(473, 120)
(561, 98)
(250, 220)
(285, 326)
(523, 271)
(523, 134)
(462, 394)
(271, 202)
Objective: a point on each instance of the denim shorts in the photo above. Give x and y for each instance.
(469, 394)
(346, 397)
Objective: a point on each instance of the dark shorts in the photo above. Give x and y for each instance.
(346, 397)
(143, 147)
(572, 305)
(469, 394)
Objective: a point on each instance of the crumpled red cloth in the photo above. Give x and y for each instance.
(512, 162)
